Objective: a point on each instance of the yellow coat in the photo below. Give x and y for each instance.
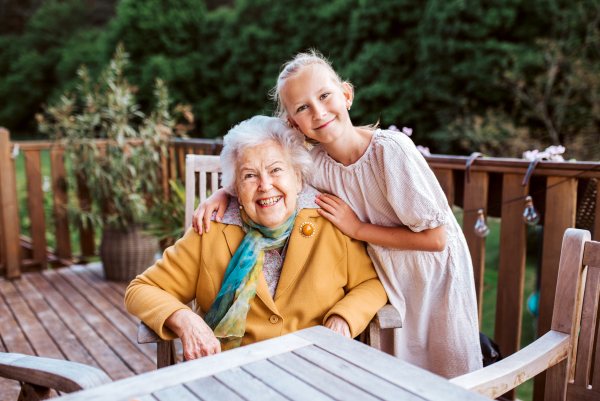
(328, 273)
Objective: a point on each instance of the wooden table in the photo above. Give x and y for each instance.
(313, 364)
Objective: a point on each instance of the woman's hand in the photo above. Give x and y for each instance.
(197, 338)
(217, 202)
(339, 325)
(339, 213)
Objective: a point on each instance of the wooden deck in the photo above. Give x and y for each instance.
(73, 314)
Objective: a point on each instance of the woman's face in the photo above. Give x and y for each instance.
(267, 185)
(316, 105)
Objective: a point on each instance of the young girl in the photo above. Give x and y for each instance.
(388, 197)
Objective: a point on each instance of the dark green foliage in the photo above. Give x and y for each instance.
(447, 68)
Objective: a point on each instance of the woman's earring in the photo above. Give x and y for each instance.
(349, 107)
(241, 207)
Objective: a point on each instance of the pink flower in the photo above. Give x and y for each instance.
(531, 154)
(407, 131)
(552, 153)
(557, 158)
(555, 150)
(424, 151)
(393, 128)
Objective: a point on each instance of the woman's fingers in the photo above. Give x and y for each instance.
(197, 219)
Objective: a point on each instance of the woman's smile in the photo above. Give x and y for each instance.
(268, 202)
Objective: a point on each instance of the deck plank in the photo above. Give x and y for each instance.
(9, 389)
(119, 286)
(117, 318)
(128, 352)
(62, 336)
(36, 335)
(12, 336)
(106, 290)
(98, 349)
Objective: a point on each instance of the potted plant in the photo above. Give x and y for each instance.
(114, 151)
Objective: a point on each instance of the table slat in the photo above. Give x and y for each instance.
(210, 389)
(192, 370)
(411, 378)
(353, 374)
(177, 393)
(249, 387)
(319, 378)
(285, 383)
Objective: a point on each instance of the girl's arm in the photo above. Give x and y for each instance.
(217, 202)
(340, 214)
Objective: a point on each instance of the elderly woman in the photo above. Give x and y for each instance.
(271, 244)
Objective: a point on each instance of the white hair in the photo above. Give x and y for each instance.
(255, 132)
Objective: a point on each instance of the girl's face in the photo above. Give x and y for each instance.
(316, 105)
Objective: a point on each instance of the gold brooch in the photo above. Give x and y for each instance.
(307, 229)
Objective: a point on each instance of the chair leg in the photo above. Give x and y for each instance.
(31, 392)
(165, 351)
(374, 336)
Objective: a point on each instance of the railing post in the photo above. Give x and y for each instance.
(10, 230)
(511, 268)
(35, 203)
(59, 192)
(476, 197)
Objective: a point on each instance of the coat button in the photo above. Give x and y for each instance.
(274, 319)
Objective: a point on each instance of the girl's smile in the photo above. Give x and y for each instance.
(326, 124)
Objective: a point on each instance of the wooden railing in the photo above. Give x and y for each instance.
(21, 254)
(495, 185)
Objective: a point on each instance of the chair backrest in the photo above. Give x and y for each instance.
(208, 169)
(585, 368)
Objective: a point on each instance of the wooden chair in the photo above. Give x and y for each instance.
(386, 318)
(39, 375)
(566, 352)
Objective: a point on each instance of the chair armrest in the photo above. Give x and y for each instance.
(147, 335)
(388, 317)
(60, 375)
(495, 380)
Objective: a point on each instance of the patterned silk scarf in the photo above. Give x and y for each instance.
(227, 315)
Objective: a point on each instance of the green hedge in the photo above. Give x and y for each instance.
(415, 63)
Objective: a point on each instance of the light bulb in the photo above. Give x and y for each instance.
(530, 215)
(481, 229)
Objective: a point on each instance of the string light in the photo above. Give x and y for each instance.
(530, 215)
(481, 229)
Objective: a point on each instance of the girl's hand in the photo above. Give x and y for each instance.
(217, 202)
(339, 325)
(197, 338)
(339, 213)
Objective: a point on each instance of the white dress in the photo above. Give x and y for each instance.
(392, 185)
